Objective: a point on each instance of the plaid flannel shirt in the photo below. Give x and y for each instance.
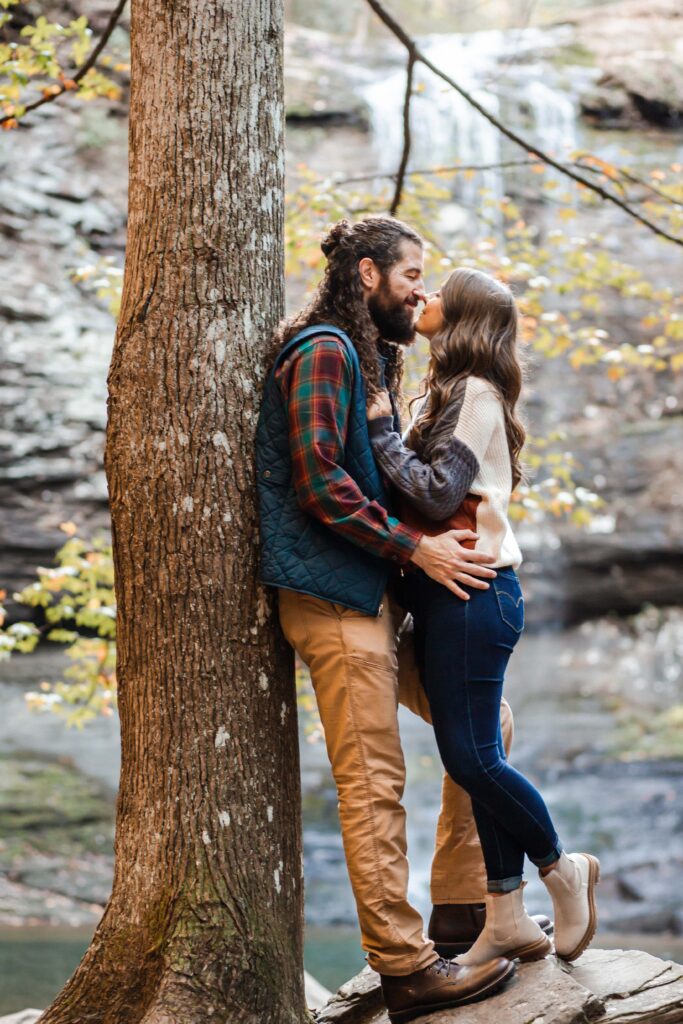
(316, 383)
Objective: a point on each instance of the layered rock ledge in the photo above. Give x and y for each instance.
(603, 987)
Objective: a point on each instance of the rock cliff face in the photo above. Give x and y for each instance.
(635, 554)
(641, 62)
(603, 987)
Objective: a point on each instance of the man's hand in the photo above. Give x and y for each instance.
(445, 560)
(379, 404)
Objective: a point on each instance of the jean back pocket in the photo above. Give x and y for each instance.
(510, 601)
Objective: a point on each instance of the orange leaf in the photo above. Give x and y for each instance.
(11, 123)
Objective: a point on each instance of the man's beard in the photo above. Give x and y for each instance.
(393, 319)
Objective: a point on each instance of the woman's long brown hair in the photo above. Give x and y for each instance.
(478, 338)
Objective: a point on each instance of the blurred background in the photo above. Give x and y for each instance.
(596, 683)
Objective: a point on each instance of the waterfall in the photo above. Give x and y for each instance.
(505, 72)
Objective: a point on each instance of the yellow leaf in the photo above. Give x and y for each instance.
(69, 528)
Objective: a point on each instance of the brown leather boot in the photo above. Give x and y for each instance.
(442, 985)
(454, 927)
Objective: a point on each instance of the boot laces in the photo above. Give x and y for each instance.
(443, 966)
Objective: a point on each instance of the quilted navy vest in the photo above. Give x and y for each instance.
(299, 552)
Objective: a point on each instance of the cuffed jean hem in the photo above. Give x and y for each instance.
(400, 967)
(550, 859)
(502, 885)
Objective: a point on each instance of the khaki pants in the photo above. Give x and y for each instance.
(360, 670)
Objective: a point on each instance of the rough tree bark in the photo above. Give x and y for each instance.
(204, 922)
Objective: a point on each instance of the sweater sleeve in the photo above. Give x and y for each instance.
(436, 488)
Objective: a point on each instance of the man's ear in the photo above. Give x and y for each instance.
(369, 273)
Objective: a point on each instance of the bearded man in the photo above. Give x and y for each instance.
(330, 545)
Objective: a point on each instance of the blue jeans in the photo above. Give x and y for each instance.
(463, 648)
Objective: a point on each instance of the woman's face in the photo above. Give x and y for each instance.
(431, 318)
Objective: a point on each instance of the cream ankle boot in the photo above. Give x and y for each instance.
(571, 885)
(508, 932)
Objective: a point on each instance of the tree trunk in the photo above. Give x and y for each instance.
(205, 918)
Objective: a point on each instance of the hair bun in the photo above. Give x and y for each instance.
(332, 239)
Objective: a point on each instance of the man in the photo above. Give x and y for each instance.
(329, 544)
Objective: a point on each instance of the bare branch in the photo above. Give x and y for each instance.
(83, 69)
(400, 176)
(651, 188)
(563, 169)
(423, 171)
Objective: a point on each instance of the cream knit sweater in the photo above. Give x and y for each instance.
(481, 426)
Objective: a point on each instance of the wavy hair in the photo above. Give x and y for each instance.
(339, 299)
(478, 338)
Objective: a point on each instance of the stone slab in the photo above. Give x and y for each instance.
(539, 992)
(603, 987)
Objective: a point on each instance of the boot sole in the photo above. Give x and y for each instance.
(584, 943)
(537, 950)
(402, 1016)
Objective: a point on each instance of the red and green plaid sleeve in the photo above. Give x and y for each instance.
(316, 383)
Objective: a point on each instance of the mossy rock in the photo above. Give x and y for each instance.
(41, 800)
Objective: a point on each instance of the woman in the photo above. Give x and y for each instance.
(457, 470)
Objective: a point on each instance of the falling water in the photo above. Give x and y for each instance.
(506, 74)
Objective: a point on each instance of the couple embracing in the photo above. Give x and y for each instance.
(395, 565)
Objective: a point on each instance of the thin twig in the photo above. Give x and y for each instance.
(567, 171)
(651, 188)
(393, 175)
(83, 69)
(501, 165)
(401, 173)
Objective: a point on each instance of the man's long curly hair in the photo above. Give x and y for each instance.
(338, 299)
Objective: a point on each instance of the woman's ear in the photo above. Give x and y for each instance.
(369, 274)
